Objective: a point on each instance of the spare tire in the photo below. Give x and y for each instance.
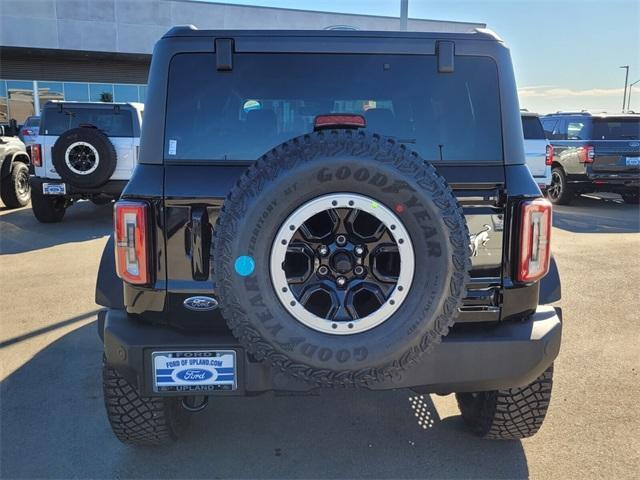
(341, 257)
(84, 157)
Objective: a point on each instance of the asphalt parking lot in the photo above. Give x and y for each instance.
(53, 424)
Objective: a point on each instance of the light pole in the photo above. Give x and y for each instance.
(404, 14)
(629, 97)
(626, 81)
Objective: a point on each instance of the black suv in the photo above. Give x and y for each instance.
(329, 210)
(593, 152)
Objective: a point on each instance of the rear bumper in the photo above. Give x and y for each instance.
(471, 358)
(112, 187)
(608, 181)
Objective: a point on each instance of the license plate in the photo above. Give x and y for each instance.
(633, 161)
(194, 371)
(54, 189)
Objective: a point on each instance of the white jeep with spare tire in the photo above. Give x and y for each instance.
(85, 150)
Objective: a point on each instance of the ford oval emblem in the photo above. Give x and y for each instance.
(200, 304)
(194, 375)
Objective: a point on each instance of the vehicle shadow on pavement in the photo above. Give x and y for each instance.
(597, 215)
(54, 426)
(20, 231)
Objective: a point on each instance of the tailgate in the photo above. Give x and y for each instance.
(616, 142)
(616, 156)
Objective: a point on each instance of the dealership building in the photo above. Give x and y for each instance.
(100, 50)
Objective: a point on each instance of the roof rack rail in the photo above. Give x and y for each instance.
(580, 112)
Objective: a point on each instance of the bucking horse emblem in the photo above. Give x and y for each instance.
(479, 239)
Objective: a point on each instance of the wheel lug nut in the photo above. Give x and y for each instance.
(341, 281)
(359, 270)
(323, 270)
(323, 251)
(359, 250)
(341, 240)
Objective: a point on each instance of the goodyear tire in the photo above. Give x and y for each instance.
(370, 212)
(509, 414)
(139, 420)
(84, 157)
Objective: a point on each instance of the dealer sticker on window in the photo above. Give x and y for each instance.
(194, 371)
(54, 189)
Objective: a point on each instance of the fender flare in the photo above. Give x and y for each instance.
(550, 286)
(109, 288)
(7, 162)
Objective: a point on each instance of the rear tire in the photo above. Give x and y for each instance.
(559, 192)
(14, 190)
(47, 208)
(508, 414)
(139, 420)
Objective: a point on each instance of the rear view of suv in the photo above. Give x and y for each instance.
(84, 150)
(594, 152)
(537, 149)
(290, 229)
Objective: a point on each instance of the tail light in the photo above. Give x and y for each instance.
(132, 254)
(36, 154)
(548, 159)
(535, 240)
(586, 154)
(26, 131)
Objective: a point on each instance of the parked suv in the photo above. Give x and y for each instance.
(29, 131)
(14, 170)
(84, 150)
(538, 150)
(594, 152)
(288, 229)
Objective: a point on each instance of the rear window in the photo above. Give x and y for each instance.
(113, 123)
(616, 129)
(32, 122)
(532, 128)
(270, 98)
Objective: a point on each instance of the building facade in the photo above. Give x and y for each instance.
(100, 50)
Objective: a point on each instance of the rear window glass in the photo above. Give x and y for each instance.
(269, 98)
(616, 129)
(32, 122)
(532, 128)
(56, 121)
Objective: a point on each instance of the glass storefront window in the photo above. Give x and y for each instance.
(49, 91)
(143, 93)
(20, 100)
(101, 92)
(125, 93)
(4, 112)
(77, 92)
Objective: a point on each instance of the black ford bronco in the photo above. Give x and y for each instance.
(329, 209)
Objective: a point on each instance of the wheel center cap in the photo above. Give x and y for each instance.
(342, 262)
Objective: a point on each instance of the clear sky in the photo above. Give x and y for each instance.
(566, 53)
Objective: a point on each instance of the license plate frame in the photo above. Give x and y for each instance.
(194, 371)
(54, 188)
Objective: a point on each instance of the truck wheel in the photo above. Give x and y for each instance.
(632, 198)
(47, 208)
(139, 420)
(341, 258)
(84, 157)
(15, 190)
(508, 414)
(559, 192)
